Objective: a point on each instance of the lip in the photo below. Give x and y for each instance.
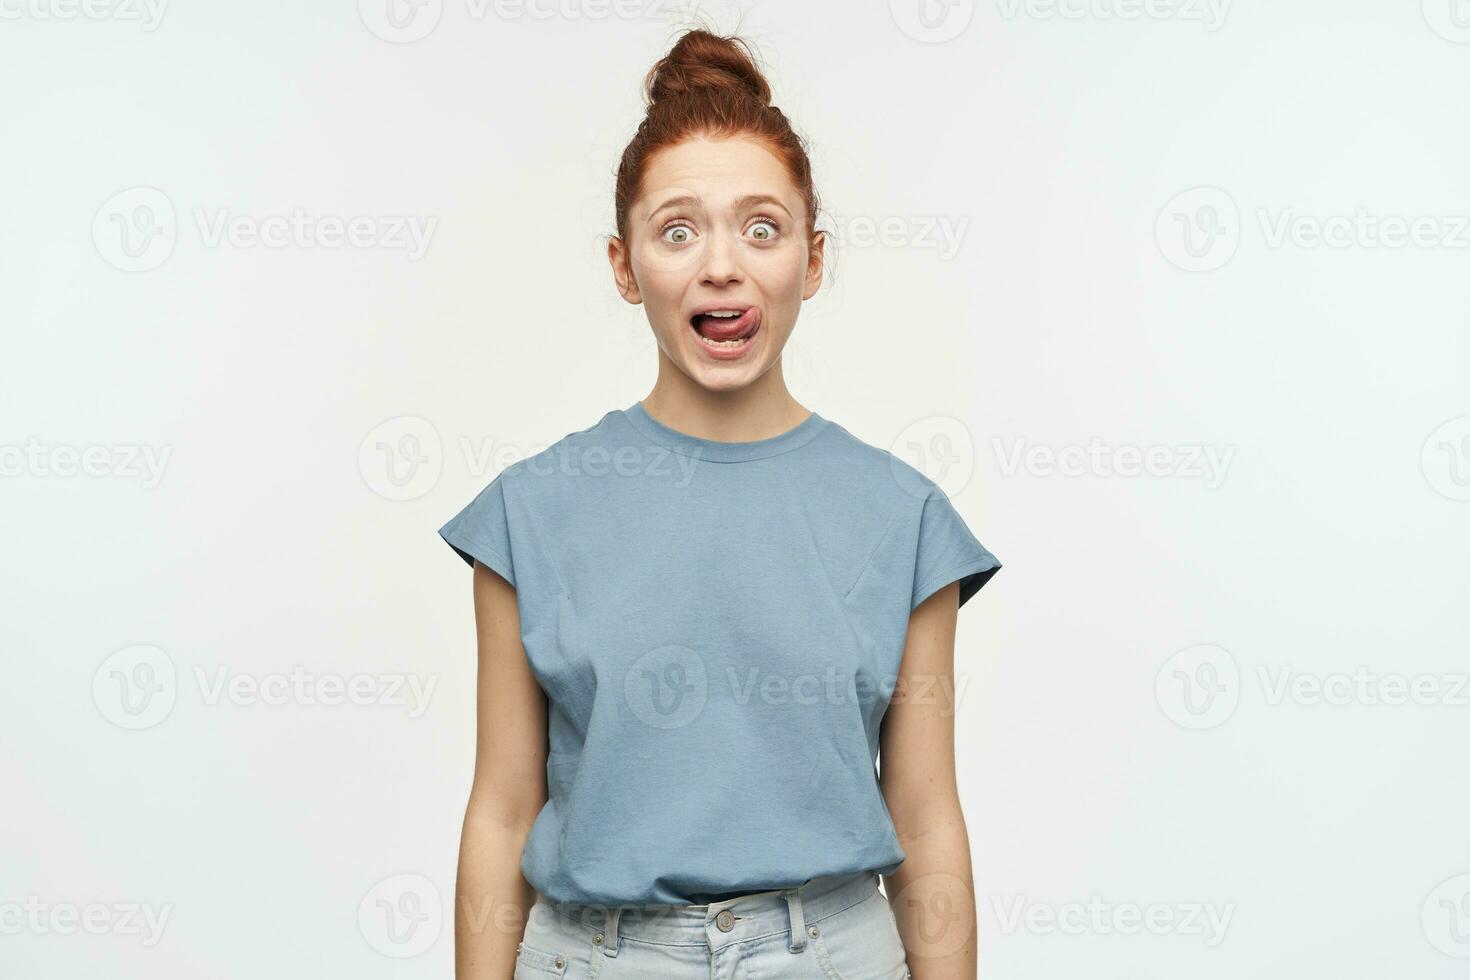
(727, 305)
(721, 352)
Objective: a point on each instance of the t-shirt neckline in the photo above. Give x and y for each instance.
(723, 452)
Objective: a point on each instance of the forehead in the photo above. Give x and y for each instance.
(718, 171)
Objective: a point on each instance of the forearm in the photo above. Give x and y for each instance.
(491, 898)
(933, 897)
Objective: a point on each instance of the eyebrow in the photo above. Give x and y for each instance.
(689, 200)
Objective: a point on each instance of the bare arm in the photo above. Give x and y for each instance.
(933, 891)
(491, 898)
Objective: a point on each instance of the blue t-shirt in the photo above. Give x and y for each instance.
(718, 628)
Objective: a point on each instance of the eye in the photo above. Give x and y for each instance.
(764, 229)
(677, 234)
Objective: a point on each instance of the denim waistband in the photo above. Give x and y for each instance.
(789, 911)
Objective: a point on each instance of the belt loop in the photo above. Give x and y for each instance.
(610, 931)
(798, 925)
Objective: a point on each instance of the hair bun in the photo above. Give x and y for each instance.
(704, 61)
(709, 87)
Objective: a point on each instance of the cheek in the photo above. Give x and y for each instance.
(661, 271)
(783, 274)
(663, 290)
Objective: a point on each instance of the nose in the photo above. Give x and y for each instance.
(721, 262)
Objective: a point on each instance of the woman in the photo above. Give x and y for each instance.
(694, 616)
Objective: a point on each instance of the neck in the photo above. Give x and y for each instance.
(760, 410)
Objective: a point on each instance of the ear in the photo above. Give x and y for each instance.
(622, 269)
(815, 264)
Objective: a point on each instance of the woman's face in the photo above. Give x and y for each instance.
(717, 228)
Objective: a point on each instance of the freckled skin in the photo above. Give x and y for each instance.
(726, 253)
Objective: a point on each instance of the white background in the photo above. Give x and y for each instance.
(1132, 201)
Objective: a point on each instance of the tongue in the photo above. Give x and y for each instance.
(725, 328)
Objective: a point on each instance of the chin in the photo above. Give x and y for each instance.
(717, 378)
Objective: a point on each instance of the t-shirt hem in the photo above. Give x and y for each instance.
(974, 573)
(470, 549)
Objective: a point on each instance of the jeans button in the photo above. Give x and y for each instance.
(725, 920)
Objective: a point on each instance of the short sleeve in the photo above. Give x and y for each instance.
(481, 531)
(948, 551)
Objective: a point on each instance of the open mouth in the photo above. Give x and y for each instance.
(726, 331)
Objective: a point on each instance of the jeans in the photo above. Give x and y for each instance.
(838, 927)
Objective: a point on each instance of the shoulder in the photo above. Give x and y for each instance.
(561, 456)
(871, 471)
(556, 477)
